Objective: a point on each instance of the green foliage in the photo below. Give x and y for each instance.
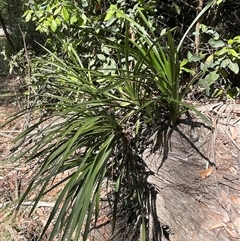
(65, 23)
(90, 140)
(55, 16)
(222, 62)
(161, 64)
(102, 98)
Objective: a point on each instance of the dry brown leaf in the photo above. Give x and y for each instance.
(232, 232)
(235, 200)
(224, 196)
(226, 218)
(40, 211)
(102, 221)
(97, 7)
(237, 223)
(233, 132)
(175, 237)
(233, 171)
(206, 173)
(218, 225)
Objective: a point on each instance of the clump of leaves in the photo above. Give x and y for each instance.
(99, 117)
(219, 64)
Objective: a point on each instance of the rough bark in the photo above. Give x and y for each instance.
(191, 204)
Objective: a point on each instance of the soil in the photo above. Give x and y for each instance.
(195, 170)
(15, 176)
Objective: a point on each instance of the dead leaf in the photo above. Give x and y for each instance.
(233, 171)
(102, 221)
(40, 211)
(231, 232)
(11, 184)
(218, 225)
(233, 132)
(235, 200)
(224, 196)
(175, 237)
(237, 223)
(206, 173)
(226, 218)
(97, 7)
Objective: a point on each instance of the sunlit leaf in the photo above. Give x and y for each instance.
(53, 25)
(233, 53)
(73, 19)
(65, 14)
(28, 17)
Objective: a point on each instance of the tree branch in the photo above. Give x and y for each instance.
(7, 34)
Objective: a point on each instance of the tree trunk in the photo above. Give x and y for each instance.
(192, 202)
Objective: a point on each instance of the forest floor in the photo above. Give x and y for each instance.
(15, 177)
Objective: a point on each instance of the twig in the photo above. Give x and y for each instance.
(197, 27)
(5, 135)
(39, 204)
(236, 121)
(188, 5)
(31, 203)
(11, 131)
(238, 147)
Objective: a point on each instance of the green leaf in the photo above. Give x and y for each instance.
(109, 15)
(209, 79)
(212, 77)
(225, 63)
(53, 25)
(177, 8)
(184, 62)
(230, 41)
(188, 70)
(106, 50)
(163, 32)
(58, 21)
(101, 57)
(216, 43)
(28, 17)
(73, 19)
(233, 53)
(83, 19)
(195, 57)
(222, 51)
(233, 66)
(223, 73)
(57, 11)
(236, 39)
(65, 14)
